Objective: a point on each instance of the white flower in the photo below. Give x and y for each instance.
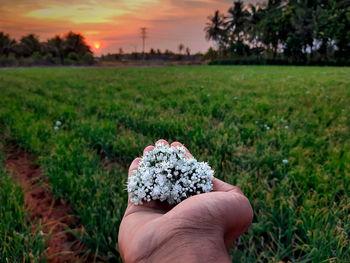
(167, 174)
(56, 128)
(285, 161)
(268, 128)
(286, 127)
(58, 123)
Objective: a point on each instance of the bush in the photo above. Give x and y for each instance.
(6, 61)
(211, 54)
(248, 61)
(87, 59)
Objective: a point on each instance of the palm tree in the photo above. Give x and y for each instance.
(254, 19)
(188, 51)
(237, 21)
(215, 29)
(254, 34)
(181, 48)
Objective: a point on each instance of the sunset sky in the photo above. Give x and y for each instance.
(112, 24)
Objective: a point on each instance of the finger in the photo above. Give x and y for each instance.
(225, 187)
(162, 141)
(235, 226)
(228, 213)
(133, 166)
(178, 144)
(237, 214)
(147, 149)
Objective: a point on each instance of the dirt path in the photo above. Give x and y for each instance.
(52, 213)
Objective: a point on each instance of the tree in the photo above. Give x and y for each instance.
(296, 29)
(55, 46)
(6, 44)
(188, 51)
(181, 47)
(254, 35)
(75, 42)
(167, 52)
(323, 30)
(303, 24)
(237, 21)
(210, 54)
(215, 29)
(341, 31)
(28, 45)
(273, 26)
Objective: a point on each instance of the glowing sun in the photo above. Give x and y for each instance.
(97, 45)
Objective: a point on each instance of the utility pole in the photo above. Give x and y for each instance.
(143, 36)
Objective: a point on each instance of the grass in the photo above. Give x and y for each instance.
(19, 240)
(243, 120)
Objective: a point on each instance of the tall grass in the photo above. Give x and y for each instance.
(243, 120)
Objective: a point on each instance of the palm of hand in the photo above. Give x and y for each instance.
(155, 230)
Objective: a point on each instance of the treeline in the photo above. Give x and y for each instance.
(71, 49)
(296, 31)
(184, 53)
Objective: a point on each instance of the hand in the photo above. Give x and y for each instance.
(199, 229)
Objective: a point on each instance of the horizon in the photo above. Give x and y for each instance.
(110, 25)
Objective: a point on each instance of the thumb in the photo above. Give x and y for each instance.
(237, 211)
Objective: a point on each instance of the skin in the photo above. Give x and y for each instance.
(201, 228)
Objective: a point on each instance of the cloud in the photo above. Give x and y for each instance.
(76, 13)
(191, 3)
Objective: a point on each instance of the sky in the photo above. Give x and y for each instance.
(109, 25)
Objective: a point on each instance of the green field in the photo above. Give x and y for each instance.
(243, 120)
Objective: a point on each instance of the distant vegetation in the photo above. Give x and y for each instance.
(293, 32)
(70, 49)
(155, 55)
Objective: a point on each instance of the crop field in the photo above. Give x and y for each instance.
(282, 134)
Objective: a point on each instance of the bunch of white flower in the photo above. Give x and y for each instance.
(167, 174)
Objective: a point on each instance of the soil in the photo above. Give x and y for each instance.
(54, 215)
